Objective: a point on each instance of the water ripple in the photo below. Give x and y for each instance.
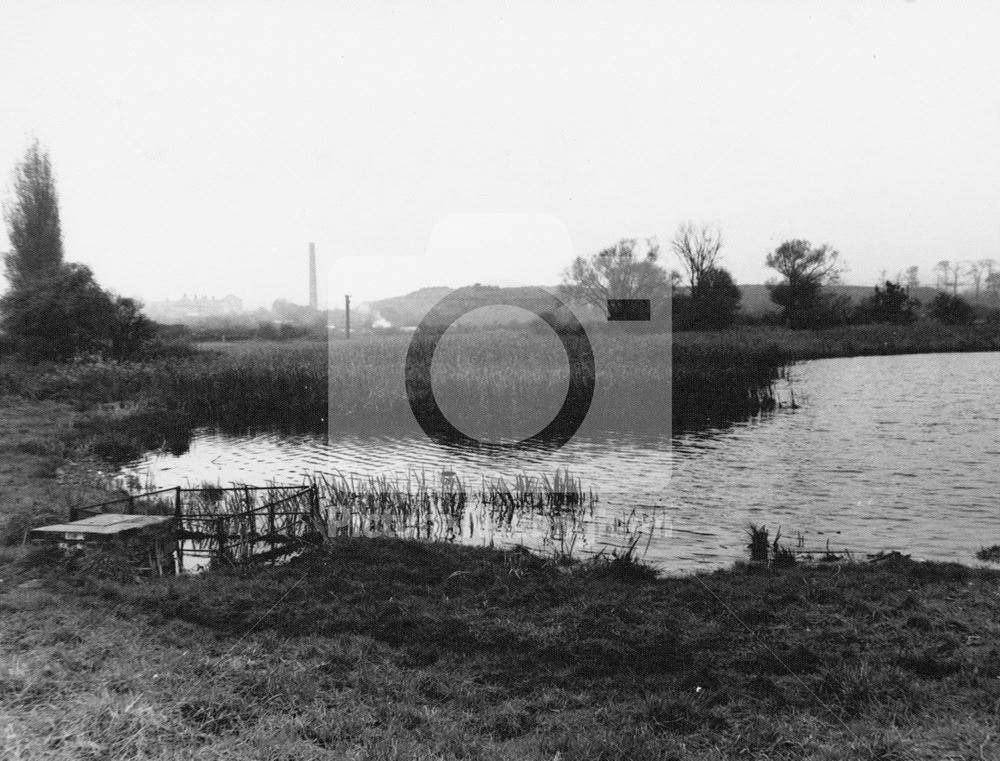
(887, 453)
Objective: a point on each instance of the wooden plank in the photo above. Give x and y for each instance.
(106, 524)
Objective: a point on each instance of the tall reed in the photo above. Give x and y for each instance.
(419, 506)
(358, 385)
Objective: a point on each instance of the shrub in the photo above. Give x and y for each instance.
(759, 542)
(890, 303)
(63, 313)
(989, 554)
(712, 307)
(806, 269)
(952, 310)
(810, 308)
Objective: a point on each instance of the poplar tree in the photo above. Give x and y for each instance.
(32, 217)
(55, 310)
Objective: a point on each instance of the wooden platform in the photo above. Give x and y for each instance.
(147, 542)
(98, 527)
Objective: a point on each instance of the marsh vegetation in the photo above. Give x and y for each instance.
(358, 385)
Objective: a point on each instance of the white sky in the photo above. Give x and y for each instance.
(200, 146)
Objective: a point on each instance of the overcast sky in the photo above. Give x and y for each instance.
(199, 147)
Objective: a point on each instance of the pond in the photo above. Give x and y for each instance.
(881, 453)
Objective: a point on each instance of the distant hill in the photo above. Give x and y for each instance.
(408, 310)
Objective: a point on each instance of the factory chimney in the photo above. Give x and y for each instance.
(313, 301)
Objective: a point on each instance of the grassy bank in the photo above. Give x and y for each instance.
(383, 649)
(37, 438)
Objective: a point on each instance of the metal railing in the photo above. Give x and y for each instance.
(282, 524)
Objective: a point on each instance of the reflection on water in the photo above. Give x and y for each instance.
(883, 453)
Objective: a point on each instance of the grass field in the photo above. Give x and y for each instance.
(380, 649)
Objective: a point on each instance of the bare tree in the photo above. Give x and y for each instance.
(621, 271)
(32, 218)
(697, 247)
(976, 273)
(913, 277)
(980, 271)
(958, 273)
(942, 268)
(949, 274)
(992, 282)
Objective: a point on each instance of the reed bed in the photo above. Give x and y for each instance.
(560, 502)
(233, 524)
(387, 505)
(417, 506)
(921, 337)
(359, 385)
(563, 492)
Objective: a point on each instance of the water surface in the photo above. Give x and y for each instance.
(883, 453)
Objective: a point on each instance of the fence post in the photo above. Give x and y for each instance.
(270, 522)
(178, 528)
(74, 514)
(220, 537)
(251, 506)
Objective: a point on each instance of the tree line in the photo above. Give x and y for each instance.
(703, 295)
(983, 275)
(56, 310)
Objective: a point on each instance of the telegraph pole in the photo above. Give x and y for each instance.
(347, 316)
(313, 300)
